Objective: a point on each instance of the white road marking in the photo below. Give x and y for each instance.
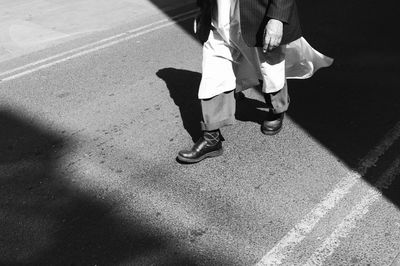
(92, 47)
(299, 232)
(396, 261)
(294, 237)
(357, 213)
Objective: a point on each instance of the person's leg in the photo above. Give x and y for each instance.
(272, 67)
(216, 93)
(279, 100)
(218, 112)
(278, 104)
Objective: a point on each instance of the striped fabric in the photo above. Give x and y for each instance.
(254, 15)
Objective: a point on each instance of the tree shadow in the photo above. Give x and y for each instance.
(46, 220)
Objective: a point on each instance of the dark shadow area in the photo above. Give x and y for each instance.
(181, 7)
(349, 107)
(249, 109)
(384, 178)
(183, 87)
(352, 105)
(45, 220)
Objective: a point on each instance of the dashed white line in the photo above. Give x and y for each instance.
(295, 236)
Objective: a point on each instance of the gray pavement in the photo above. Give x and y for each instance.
(89, 140)
(28, 26)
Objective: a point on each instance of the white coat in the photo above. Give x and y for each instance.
(228, 63)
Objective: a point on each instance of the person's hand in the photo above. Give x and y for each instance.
(272, 35)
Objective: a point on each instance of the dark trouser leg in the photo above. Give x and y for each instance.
(218, 111)
(278, 104)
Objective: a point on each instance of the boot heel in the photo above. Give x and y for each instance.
(215, 153)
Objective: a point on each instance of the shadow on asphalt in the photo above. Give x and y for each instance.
(183, 86)
(46, 220)
(350, 106)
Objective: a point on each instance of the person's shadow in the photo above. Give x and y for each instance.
(183, 87)
(250, 108)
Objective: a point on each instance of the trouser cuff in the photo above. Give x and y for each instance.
(217, 125)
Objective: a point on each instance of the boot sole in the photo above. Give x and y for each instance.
(204, 156)
(270, 133)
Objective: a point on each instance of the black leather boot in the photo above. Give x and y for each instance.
(273, 123)
(209, 145)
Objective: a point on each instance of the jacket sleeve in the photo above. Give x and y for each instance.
(280, 9)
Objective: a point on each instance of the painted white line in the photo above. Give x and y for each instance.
(96, 46)
(294, 237)
(396, 261)
(358, 212)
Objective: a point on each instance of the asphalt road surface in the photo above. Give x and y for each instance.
(96, 99)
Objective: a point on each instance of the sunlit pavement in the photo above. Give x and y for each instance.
(95, 107)
(27, 26)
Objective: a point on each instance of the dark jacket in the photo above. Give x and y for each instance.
(203, 19)
(254, 15)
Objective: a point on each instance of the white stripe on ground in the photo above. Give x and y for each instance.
(294, 237)
(358, 212)
(396, 260)
(93, 47)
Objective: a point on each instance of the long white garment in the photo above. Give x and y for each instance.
(228, 63)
